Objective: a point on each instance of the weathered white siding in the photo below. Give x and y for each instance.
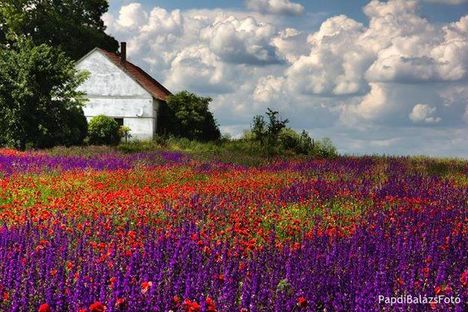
(113, 93)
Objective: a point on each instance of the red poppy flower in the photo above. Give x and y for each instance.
(97, 307)
(145, 286)
(191, 306)
(44, 308)
(301, 302)
(210, 305)
(464, 278)
(120, 302)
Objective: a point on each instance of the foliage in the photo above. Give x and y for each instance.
(267, 131)
(276, 138)
(325, 148)
(258, 130)
(274, 126)
(302, 143)
(187, 115)
(103, 130)
(84, 151)
(39, 104)
(125, 132)
(76, 27)
(138, 146)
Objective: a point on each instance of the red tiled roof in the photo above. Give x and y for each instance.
(150, 84)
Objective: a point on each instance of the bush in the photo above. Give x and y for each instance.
(289, 139)
(187, 115)
(325, 148)
(301, 144)
(103, 130)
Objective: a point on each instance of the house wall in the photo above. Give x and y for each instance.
(113, 93)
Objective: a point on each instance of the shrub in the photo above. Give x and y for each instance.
(103, 130)
(187, 115)
(325, 148)
(298, 143)
(289, 139)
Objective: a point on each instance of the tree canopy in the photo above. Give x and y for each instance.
(75, 26)
(39, 102)
(187, 115)
(267, 132)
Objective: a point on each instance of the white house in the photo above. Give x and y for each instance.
(123, 91)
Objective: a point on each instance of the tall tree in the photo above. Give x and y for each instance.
(75, 26)
(39, 102)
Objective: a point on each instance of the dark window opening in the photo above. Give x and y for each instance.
(119, 121)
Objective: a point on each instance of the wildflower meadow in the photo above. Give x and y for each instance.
(165, 231)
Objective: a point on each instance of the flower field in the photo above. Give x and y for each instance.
(162, 231)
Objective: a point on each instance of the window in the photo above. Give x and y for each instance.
(120, 121)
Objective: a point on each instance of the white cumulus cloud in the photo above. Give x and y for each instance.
(281, 7)
(242, 41)
(424, 113)
(196, 67)
(132, 16)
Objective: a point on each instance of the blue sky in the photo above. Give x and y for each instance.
(383, 77)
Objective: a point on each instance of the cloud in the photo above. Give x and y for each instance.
(132, 16)
(279, 7)
(196, 67)
(424, 113)
(269, 89)
(289, 44)
(241, 41)
(436, 141)
(336, 63)
(234, 37)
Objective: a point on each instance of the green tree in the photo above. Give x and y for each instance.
(267, 132)
(75, 26)
(299, 143)
(275, 125)
(187, 115)
(259, 129)
(103, 130)
(39, 102)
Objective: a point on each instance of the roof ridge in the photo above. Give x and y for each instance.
(154, 87)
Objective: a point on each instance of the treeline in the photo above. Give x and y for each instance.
(274, 137)
(268, 136)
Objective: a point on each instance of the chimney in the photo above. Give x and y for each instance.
(123, 52)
